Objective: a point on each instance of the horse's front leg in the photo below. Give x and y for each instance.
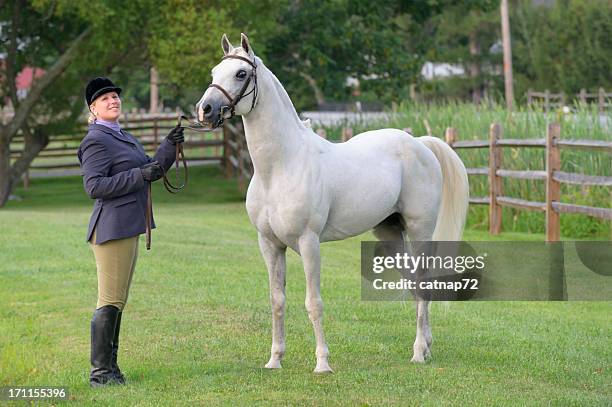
(309, 247)
(274, 256)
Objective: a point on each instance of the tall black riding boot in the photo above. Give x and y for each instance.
(103, 326)
(119, 378)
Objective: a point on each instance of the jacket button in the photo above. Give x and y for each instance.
(133, 147)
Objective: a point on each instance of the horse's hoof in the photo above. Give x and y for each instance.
(273, 364)
(323, 367)
(417, 359)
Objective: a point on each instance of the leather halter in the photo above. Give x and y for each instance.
(235, 100)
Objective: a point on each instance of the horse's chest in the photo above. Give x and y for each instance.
(280, 212)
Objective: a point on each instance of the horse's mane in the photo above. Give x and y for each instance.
(282, 93)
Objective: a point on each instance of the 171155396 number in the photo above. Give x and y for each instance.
(33, 393)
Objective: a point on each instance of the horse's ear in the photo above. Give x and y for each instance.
(225, 44)
(244, 43)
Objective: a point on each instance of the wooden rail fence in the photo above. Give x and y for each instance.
(149, 129)
(551, 175)
(550, 100)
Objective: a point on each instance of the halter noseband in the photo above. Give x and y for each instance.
(234, 101)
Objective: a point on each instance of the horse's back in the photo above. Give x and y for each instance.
(387, 145)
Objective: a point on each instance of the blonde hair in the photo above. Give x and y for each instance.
(91, 118)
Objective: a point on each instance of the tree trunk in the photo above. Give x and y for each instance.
(5, 171)
(474, 68)
(320, 98)
(34, 144)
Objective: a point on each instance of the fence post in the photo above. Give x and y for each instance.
(216, 136)
(450, 135)
(347, 133)
(495, 182)
(529, 97)
(321, 132)
(553, 191)
(227, 165)
(583, 98)
(601, 100)
(26, 179)
(155, 132)
(427, 127)
(546, 100)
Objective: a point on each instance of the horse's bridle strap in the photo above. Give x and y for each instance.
(227, 95)
(248, 61)
(234, 101)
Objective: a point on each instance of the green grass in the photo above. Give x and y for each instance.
(196, 329)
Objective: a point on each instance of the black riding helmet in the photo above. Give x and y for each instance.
(99, 86)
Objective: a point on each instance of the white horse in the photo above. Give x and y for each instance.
(306, 190)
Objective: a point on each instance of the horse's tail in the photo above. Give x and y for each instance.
(455, 191)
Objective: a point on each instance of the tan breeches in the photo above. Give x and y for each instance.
(115, 263)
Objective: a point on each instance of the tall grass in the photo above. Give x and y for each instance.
(473, 122)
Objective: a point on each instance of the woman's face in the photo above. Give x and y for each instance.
(107, 107)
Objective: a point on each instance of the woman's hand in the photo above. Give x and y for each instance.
(152, 171)
(176, 135)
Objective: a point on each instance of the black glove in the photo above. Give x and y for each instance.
(176, 135)
(151, 171)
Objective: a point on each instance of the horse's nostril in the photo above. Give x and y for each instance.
(207, 109)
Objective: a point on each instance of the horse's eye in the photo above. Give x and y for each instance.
(241, 74)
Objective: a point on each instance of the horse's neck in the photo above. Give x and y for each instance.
(273, 130)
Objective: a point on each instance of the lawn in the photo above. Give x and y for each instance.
(196, 329)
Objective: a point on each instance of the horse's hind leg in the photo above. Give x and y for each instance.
(274, 256)
(421, 230)
(392, 229)
(418, 229)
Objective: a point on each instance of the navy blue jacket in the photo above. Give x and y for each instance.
(110, 165)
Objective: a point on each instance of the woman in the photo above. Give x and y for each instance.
(115, 171)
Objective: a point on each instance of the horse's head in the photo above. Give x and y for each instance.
(233, 90)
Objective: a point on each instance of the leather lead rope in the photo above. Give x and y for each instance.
(149, 216)
(173, 189)
(179, 155)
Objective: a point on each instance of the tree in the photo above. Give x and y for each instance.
(70, 42)
(463, 33)
(186, 40)
(75, 41)
(566, 46)
(318, 45)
